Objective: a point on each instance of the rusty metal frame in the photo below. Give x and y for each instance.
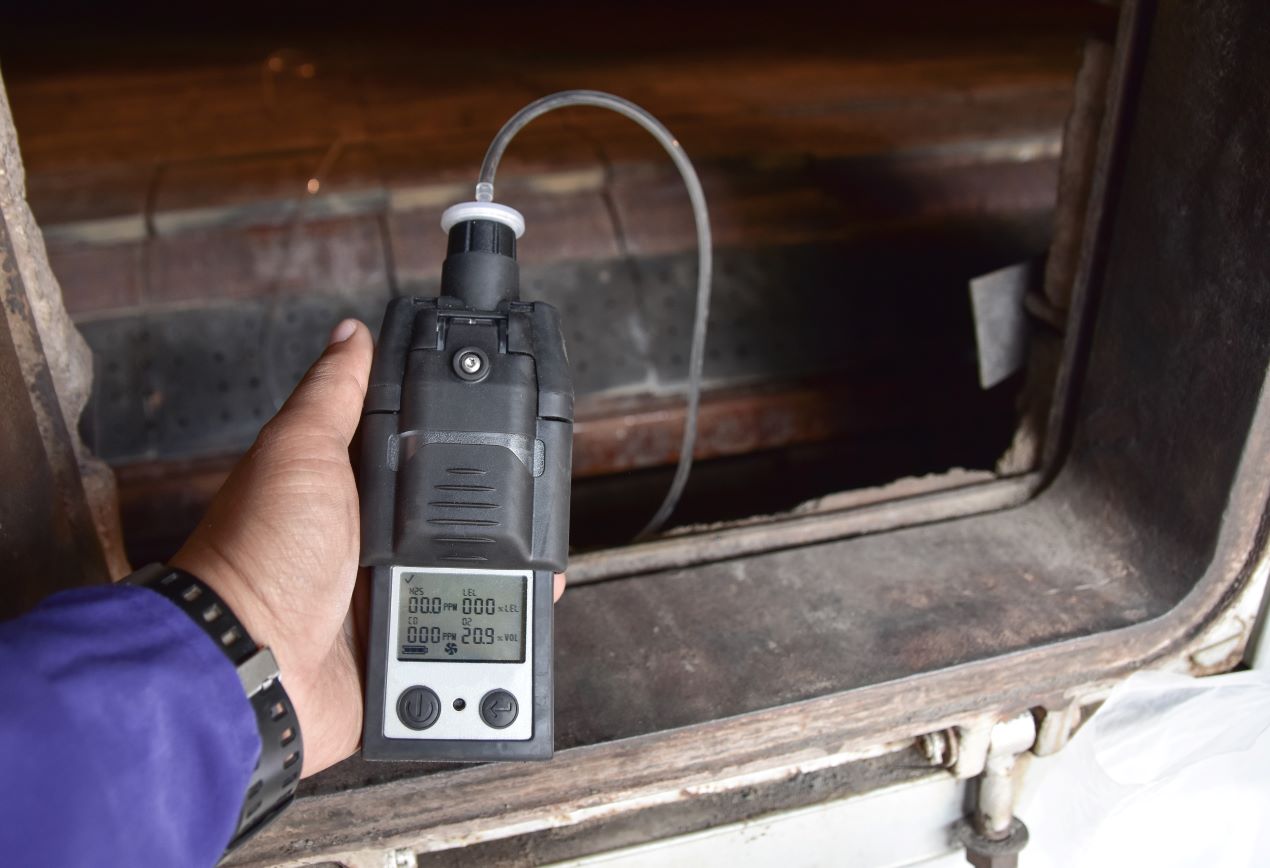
(1101, 469)
(49, 540)
(954, 498)
(58, 517)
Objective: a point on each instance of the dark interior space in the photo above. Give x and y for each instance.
(216, 196)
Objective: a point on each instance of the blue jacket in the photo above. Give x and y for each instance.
(125, 737)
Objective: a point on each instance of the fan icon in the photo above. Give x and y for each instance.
(451, 648)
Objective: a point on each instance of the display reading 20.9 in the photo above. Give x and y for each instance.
(461, 618)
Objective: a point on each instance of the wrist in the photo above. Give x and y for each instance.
(232, 586)
(277, 770)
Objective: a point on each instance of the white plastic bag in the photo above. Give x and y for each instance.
(1171, 771)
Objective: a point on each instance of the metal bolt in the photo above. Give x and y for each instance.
(939, 748)
(470, 362)
(984, 852)
(402, 858)
(933, 747)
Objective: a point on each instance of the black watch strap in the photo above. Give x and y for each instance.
(274, 779)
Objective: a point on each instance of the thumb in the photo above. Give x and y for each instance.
(328, 401)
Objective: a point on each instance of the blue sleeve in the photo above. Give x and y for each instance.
(125, 737)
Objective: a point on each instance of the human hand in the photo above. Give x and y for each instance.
(280, 545)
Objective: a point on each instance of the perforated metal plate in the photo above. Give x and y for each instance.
(194, 382)
(189, 383)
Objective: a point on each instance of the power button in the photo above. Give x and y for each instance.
(418, 707)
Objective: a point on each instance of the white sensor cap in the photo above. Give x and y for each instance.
(483, 211)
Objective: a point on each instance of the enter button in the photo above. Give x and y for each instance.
(499, 709)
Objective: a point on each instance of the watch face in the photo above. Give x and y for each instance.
(461, 617)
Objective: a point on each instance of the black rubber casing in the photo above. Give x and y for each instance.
(467, 471)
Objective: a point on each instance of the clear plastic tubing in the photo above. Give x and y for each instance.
(701, 217)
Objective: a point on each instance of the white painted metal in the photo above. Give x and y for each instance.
(905, 825)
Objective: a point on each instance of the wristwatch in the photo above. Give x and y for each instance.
(274, 779)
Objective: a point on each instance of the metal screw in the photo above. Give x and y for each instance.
(470, 362)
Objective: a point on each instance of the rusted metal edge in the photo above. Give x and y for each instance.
(56, 369)
(469, 805)
(1126, 65)
(785, 532)
(466, 805)
(84, 553)
(791, 530)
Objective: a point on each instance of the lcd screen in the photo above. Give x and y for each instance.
(461, 618)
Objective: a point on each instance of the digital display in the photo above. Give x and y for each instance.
(461, 618)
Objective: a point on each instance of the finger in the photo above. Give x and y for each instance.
(561, 581)
(329, 398)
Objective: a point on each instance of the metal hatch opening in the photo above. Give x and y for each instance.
(894, 550)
